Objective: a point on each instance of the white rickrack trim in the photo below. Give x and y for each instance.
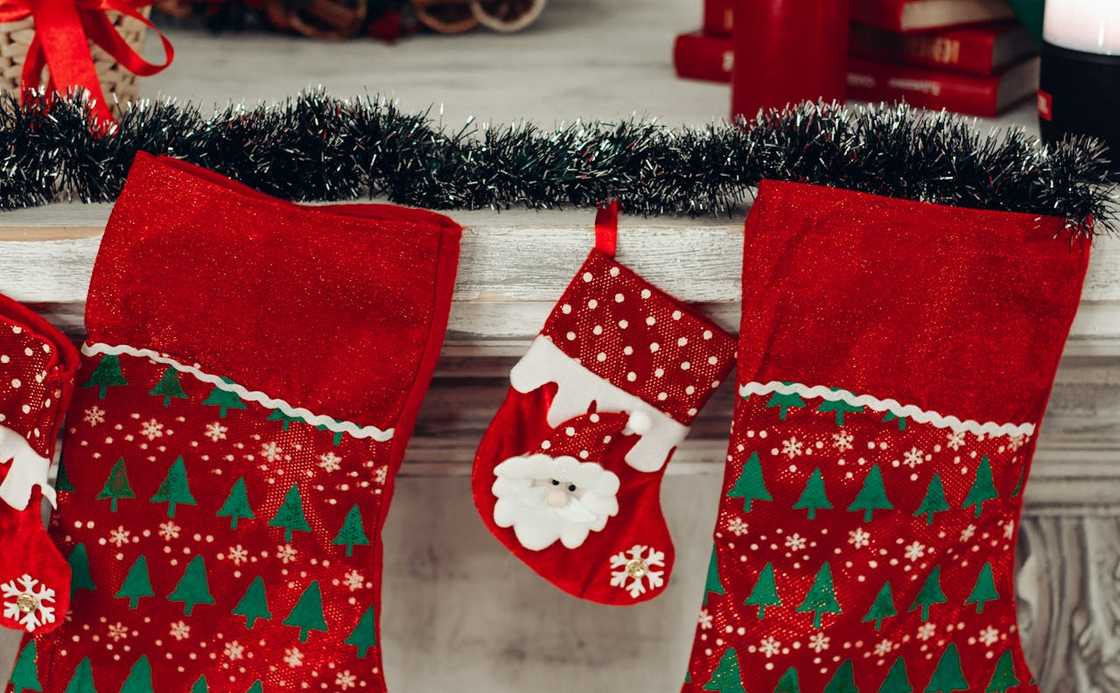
(329, 423)
(909, 411)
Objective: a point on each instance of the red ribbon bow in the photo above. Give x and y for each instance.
(63, 32)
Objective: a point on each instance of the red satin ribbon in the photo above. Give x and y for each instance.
(606, 228)
(63, 32)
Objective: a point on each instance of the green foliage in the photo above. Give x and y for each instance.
(789, 683)
(175, 489)
(351, 533)
(898, 679)
(289, 515)
(930, 594)
(116, 487)
(713, 585)
(821, 598)
(840, 408)
(284, 419)
(872, 496)
(984, 590)
(983, 488)
(139, 678)
(307, 614)
(783, 403)
(751, 485)
(254, 603)
(25, 677)
(224, 400)
(948, 676)
(82, 680)
(726, 678)
(1004, 675)
(236, 506)
(765, 592)
(137, 583)
(193, 587)
(364, 635)
(814, 497)
(882, 608)
(107, 374)
(844, 680)
(168, 387)
(80, 579)
(934, 501)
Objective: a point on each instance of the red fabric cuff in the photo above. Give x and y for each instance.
(639, 338)
(329, 308)
(959, 311)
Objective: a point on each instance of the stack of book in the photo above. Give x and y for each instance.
(967, 56)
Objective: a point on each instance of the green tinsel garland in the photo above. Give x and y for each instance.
(316, 147)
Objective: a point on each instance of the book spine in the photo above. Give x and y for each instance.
(707, 58)
(719, 17)
(875, 82)
(969, 52)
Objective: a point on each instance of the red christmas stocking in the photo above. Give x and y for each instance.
(894, 365)
(568, 475)
(37, 366)
(252, 374)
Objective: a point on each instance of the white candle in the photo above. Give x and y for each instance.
(1092, 26)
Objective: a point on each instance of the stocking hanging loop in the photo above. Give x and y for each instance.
(606, 228)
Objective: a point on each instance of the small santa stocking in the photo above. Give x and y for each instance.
(895, 360)
(37, 366)
(251, 376)
(568, 475)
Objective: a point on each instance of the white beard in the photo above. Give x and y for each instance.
(524, 486)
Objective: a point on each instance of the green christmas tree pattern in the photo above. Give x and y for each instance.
(193, 587)
(983, 488)
(62, 482)
(882, 608)
(25, 677)
(898, 679)
(168, 387)
(900, 421)
(765, 592)
(224, 400)
(107, 374)
(364, 635)
(80, 578)
(1004, 676)
(821, 598)
(175, 489)
(930, 594)
(789, 683)
(307, 614)
(813, 497)
(82, 680)
(984, 590)
(840, 408)
(116, 486)
(948, 676)
(726, 678)
(844, 680)
(351, 533)
(257, 687)
(137, 583)
(750, 486)
(139, 677)
(285, 420)
(201, 685)
(713, 585)
(783, 403)
(236, 506)
(872, 496)
(254, 604)
(289, 516)
(934, 501)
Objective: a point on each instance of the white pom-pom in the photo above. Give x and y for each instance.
(639, 422)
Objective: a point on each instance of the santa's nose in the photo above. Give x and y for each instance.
(557, 498)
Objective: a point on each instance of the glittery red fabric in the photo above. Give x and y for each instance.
(37, 366)
(857, 549)
(228, 544)
(628, 333)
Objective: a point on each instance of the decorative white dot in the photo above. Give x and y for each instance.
(651, 320)
(653, 347)
(592, 304)
(601, 357)
(619, 298)
(614, 271)
(713, 360)
(645, 293)
(571, 336)
(628, 350)
(682, 341)
(623, 324)
(16, 383)
(662, 396)
(689, 390)
(685, 366)
(631, 376)
(597, 330)
(566, 308)
(707, 334)
(570, 431)
(587, 277)
(5, 358)
(676, 315)
(659, 372)
(692, 411)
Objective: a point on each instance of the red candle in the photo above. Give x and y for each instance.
(788, 51)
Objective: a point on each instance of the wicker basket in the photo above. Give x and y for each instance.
(118, 84)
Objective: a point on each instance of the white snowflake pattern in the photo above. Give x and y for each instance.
(345, 680)
(94, 416)
(286, 553)
(180, 630)
(913, 457)
(796, 542)
(737, 526)
(842, 441)
(381, 475)
(968, 532)
(234, 651)
(791, 447)
(353, 580)
(955, 440)
(293, 657)
(770, 646)
(168, 530)
(151, 429)
(704, 620)
(329, 462)
(859, 538)
(271, 451)
(883, 648)
(237, 554)
(119, 537)
(1016, 442)
(915, 551)
(926, 631)
(118, 631)
(216, 431)
(26, 602)
(1008, 529)
(628, 568)
(989, 636)
(818, 642)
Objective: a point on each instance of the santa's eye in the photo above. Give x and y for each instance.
(572, 488)
(555, 482)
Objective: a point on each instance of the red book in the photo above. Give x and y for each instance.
(697, 56)
(718, 17)
(917, 15)
(978, 50)
(980, 96)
